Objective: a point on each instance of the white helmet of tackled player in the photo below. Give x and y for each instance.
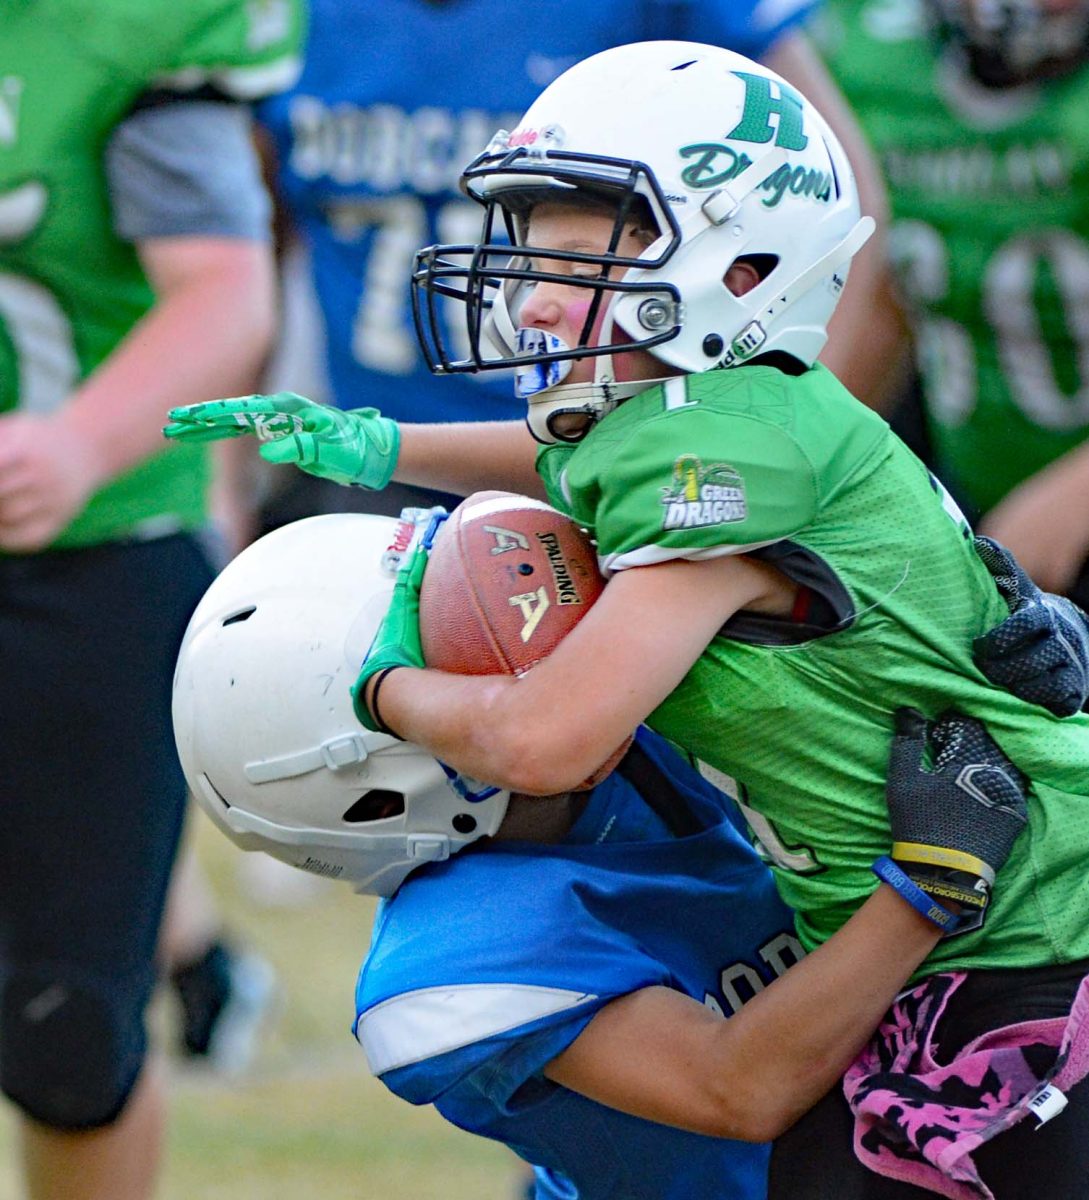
(720, 159)
(263, 717)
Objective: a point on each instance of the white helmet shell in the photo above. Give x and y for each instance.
(268, 739)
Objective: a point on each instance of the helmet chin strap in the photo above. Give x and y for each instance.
(547, 396)
(593, 399)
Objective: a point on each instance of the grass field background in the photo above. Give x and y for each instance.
(308, 1120)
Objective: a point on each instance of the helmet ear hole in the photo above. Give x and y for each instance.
(377, 805)
(762, 264)
(243, 614)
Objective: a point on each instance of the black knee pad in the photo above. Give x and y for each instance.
(71, 1046)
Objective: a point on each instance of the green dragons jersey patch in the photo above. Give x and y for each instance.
(700, 496)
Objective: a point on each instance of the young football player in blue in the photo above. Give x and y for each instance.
(683, 222)
(488, 968)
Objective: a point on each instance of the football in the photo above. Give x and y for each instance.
(508, 578)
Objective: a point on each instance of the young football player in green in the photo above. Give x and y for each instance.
(783, 572)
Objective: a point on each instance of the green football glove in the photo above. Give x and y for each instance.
(358, 446)
(397, 641)
(953, 826)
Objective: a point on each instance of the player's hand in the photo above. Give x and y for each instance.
(953, 826)
(48, 472)
(397, 640)
(1041, 651)
(358, 446)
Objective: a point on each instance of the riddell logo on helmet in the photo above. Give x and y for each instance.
(395, 552)
(552, 135)
(402, 539)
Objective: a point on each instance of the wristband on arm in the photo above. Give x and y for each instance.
(888, 872)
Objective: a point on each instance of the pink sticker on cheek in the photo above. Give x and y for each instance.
(576, 313)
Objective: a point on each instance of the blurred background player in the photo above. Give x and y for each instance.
(975, 109)
(499, 975)
(222, 989)
(395, 98)
(135, 271)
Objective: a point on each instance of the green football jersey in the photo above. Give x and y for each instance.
(800, 713)
(990, 239)
(70, 289)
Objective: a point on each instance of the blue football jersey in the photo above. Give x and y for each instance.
(483, 968)
(396, 98)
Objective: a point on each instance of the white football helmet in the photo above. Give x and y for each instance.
(263, 717)
(721, 157)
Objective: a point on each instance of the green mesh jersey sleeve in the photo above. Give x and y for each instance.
(702, 466)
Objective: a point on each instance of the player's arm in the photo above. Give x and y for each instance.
(212, 323)
(1041, 651)
(1045, 520)
(207, 252)
(550, 729)
(208, 330)
(553, 727)
(663, 1056)
(470, 456)
(361, 448)
(659, 1054)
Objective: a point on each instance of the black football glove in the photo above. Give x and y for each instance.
(953, 826)
(1041, 651)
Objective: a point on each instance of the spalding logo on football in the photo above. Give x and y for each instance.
(507, 580)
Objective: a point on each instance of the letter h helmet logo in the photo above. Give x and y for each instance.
(760, 105)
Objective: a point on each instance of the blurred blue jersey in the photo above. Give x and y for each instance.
(396, 97)
(483, 968)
